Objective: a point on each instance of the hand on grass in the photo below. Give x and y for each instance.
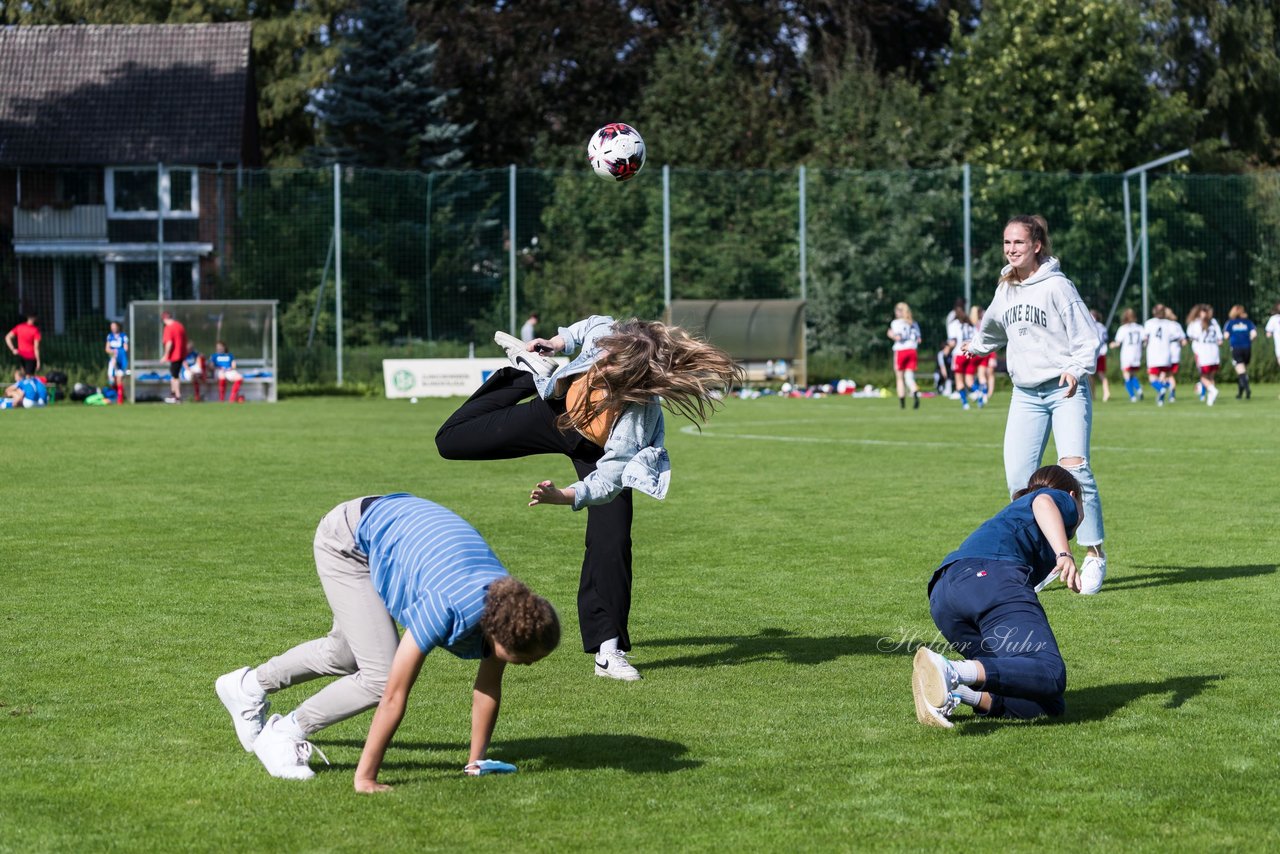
(366, 786)
(547, 493)
(1067, 571)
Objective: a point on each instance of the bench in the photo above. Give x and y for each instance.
(150, 381)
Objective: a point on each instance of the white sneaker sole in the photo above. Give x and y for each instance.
(506, 342)
(926, 683)
(621, 677)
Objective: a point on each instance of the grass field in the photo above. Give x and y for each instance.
(779, 591)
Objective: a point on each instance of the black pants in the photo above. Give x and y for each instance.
(506, 419)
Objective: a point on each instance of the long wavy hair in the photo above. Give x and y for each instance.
(643, 360)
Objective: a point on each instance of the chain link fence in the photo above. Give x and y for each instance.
(430, 264)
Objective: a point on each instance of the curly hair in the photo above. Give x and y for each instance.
(518, 618)
(645, 359)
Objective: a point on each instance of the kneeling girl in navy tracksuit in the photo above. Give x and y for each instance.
(983, 600)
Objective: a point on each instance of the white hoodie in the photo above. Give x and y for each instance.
(1045, 326)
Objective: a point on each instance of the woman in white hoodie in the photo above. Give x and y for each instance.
(1051, 346)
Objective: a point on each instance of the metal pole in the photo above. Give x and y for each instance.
(1142, 184)
(803, 237)
(666, 238)
(968, 238)
(430, 179)
(160, 231)
(511, 246)
(337, 263)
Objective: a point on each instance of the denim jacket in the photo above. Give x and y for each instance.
(634, 455)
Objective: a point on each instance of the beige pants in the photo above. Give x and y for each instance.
(362, 642)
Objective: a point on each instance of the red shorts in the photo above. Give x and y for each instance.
(1102, 365)
(1133, 369)
(1173, 369)
(1157, 371)
(1209, 370)
(905, 360)
(966, 364)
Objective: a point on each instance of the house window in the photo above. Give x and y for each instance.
(78, 187)
(135, 193)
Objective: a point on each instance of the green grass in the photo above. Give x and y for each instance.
(149, 549)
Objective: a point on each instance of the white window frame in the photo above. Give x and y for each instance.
(165, 195)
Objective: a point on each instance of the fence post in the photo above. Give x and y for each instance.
(803, 238)
(511, 246)
(666, 239)
(968, 238)
(337, 263)
(159, 231)
(1142, 186)
(430, 179)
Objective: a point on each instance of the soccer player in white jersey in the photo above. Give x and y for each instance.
(1206, 343)
(1155, 335)
(963, 366)
(1129, 341)
(1101, 370)
(905, 334)
(1272, 329)
(384, 560)
(1177, 340)
(1051, 349)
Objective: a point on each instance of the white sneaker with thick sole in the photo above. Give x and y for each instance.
(614, 665)
(248, 713)
(520, 356)
(285, 751)
(1092, 573)
(932, 681)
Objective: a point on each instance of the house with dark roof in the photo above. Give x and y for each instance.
(120, 151)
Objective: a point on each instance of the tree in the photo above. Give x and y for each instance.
(1064, 86)
(381, 108)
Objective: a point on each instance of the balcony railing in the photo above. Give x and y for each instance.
(48, 225)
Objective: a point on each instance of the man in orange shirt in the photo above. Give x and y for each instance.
(175, 350)
(24, 342)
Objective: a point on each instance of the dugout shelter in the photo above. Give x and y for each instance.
(248, 327)
(765, 336)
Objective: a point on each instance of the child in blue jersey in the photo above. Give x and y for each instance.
(118, 349)
(27, 392)
(983, 600)
(1241, 332)
(224, 368)
(384, 560)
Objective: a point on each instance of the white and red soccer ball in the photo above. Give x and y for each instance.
(616, 152)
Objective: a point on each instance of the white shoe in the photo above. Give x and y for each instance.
(285, 751)
(1092, 573)
(172, 399)
(615, 666)
(248, 713)
(1212, 395)
(523, 358)
(932, 681)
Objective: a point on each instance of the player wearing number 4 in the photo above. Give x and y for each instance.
(905, 334)
(982, 598)
(384, 560)
(603, 410)
(1051, 349)
(224, 367)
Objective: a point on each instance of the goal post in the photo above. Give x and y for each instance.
(247, 327)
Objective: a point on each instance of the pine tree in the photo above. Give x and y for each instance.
(381, 108)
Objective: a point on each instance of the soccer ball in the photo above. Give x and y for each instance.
(616, 152)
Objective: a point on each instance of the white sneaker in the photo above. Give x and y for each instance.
(523, 358)
(932, 682)
(1092, 572)
(248, 713)
(615, 666)
(172, 399)
(1212, 395)
(285, 751)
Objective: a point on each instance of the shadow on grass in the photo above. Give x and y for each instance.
(773, 645)
(1101, 701)
(1184, 575)
(634, 754)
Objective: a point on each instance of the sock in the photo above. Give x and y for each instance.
(902, 403)
(967, 671)
(964, 395)
(119, 392)
(969, 696)
(915, 395)
(1244, 382)
(609, 646)
(235, 390)
(250, 685)
(195, 388)
(222, 389)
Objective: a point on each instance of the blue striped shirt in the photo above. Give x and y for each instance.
(432, 570)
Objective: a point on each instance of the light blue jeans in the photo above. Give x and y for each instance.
(1034, 412)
